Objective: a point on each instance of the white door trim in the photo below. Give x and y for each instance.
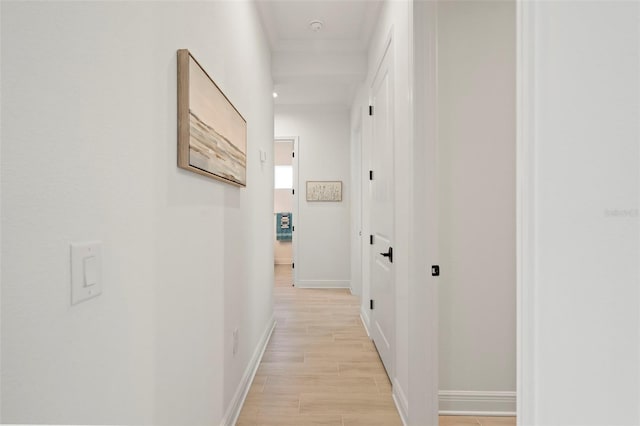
(423, 396)
(294, 203)
(356, 206)
(525, 220)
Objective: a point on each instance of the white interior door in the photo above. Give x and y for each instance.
(382, 217)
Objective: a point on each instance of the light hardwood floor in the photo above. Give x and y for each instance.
(321, 368)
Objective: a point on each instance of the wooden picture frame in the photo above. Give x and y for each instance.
(329, 190)
(212, 134)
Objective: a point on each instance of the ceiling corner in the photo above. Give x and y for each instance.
(268, 22)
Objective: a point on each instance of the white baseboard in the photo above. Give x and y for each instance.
(323, 284)
(478, 413)
(400, 399)
(477, 403)
(282, 261)
(235, 406)
(364, 317)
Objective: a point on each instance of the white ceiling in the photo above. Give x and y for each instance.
(324, 67)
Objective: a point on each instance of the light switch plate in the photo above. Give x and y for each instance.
(90, 271)
(86, 271)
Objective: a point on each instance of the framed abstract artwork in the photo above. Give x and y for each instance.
(324, 190)
(212, 134)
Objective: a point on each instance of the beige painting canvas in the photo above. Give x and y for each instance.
(324, 191)
(212, 134)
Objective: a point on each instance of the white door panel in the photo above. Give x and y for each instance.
(382, 216)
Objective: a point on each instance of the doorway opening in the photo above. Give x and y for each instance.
(284, 210)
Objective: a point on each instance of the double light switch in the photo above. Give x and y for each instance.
(86, 271)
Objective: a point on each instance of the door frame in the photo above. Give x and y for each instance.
(525, 220)
(294, 202)
(357, 204)
(423, 308)
(423, 311)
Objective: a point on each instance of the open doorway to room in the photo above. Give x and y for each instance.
(476, 165)
(284, 211)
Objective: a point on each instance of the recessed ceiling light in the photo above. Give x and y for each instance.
(275, 95)
(316, 25)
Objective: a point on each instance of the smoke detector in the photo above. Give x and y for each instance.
(316, 25)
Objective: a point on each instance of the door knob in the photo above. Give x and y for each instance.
(389, 254)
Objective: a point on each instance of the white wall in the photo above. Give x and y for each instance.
(476, 166)
(322, 228)
(89, 152)
(579, 223)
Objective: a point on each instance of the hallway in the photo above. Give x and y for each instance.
(320, 366)
(138, 288)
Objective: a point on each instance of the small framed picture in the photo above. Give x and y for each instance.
(324, 190)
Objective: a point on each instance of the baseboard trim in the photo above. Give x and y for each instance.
(233, 411)
(400, 400)
(477, 403)
(323, 284)
(478, 413)
(364, 317)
